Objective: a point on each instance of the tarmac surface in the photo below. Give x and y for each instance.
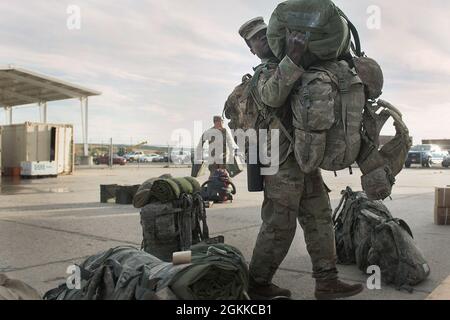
(47, 225)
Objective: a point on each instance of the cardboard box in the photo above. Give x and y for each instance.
(442, 216)
(442, 292)
(442, 197)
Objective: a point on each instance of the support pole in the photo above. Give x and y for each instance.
(8, 114)
(86, 133)
(84, 124)
(43, 112)
(111, 161)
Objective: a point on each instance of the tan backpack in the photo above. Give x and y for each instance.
(240, 108)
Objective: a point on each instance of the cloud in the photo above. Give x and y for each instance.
(165, 64)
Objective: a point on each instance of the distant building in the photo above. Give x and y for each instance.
(443, 143)
(385, 139)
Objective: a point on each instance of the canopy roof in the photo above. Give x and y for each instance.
(20, 87)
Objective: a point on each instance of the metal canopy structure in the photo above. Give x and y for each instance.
(19, 87)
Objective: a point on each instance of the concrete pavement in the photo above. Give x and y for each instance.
(46, 225)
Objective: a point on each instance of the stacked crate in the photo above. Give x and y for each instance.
(442, 206)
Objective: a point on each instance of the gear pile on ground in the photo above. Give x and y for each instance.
(173, 216)
(217, 272)
(368, 235)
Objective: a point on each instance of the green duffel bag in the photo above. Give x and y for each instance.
(328, 29)
(217, 272)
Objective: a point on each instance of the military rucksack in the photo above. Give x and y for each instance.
(380, 166)
(368, 235)
(327, 116)
(338, 118)
(240, 108)
(175, 226)
(328, 29)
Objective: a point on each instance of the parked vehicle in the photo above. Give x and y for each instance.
(128, 155)
(104, 159)
(164, 158)
(180, 156)
(151, 158)
(425, 155)
(134, 156)
(446, 162)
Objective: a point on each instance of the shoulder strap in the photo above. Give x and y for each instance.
(200, 229)
(254, 90)
(344, 91)
(394, 113)
(356, 47)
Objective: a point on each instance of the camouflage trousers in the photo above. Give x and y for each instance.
(289, 196)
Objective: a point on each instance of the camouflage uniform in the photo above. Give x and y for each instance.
(290, 194)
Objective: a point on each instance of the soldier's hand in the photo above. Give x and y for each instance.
(296, 46)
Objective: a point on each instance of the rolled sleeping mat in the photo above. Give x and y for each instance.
(165, 190)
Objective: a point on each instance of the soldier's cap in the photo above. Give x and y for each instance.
(217, 119)
(252, 27)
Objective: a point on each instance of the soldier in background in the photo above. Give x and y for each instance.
(290, 194)
(222, 146)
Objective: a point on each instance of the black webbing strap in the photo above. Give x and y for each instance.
(356, 47)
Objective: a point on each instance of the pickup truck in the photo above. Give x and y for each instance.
(425, 155)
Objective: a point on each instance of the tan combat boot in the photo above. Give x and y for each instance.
(266, 291)
(336, 289)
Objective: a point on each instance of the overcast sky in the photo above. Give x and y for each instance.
(161, 65)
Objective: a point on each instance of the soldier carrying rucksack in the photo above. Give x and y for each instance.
(330, 97)
(290, 194)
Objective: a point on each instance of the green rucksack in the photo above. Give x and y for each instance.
(368, 235)
(327, 27)
(175, 226)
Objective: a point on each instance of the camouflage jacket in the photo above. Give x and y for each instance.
(272, 84)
